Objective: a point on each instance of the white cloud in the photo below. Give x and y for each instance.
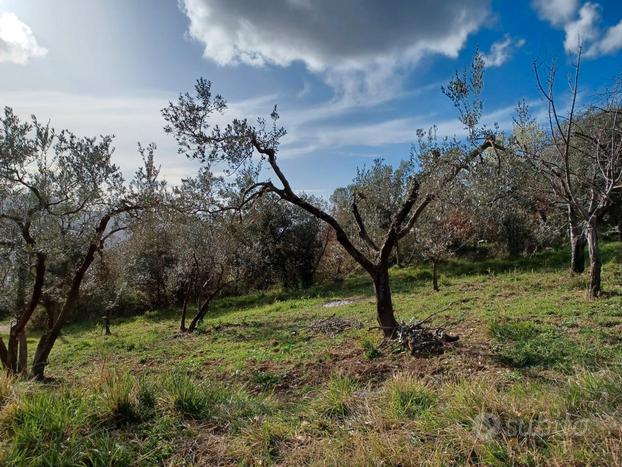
(610, 43)
(556, 12)
(358, 47)
(584, 29)
(501, 51)
(17, 41)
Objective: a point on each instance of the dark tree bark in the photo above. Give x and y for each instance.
(578, 241)
(184, 309)
(594, 287)
(4, 354)
(22, 355)
(384, 304)
(200, 314)
(107, 331)
(435, 275)
(17, 332)
(48, 339)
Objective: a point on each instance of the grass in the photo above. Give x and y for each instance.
(536, 378)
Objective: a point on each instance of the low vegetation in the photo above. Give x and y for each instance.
(535, 379)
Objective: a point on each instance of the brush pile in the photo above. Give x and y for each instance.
(334, 325)
(419, 340)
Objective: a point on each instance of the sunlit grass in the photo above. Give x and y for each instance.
(256, 385)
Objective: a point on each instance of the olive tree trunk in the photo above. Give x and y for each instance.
(578, 242)
(594, 288)
(384, 304)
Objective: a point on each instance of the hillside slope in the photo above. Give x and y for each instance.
(535, 378)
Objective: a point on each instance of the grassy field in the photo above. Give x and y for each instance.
(535, 379)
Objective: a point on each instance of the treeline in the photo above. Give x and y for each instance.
(77, 240)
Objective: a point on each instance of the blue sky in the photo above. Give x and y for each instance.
(353, 79)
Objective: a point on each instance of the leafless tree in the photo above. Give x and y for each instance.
(580, 156)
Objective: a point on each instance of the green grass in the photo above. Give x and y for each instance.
(257, 385)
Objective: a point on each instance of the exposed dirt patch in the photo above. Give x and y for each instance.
(469, 356)
(205, 447)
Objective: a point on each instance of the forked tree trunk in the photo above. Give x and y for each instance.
(48, 339)
(435, 275)
(578, 241)
(594, 288)
(17, 351)
(384, 305)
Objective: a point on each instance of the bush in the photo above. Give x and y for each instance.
(370, 351)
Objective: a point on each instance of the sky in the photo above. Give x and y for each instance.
(353, 79)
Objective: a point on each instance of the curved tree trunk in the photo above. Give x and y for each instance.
(384, 305)
(48, 339)
(595, 262)
(578, 241)
(17, 350)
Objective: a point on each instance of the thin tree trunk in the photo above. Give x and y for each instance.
(435, 275)
(107, 331)
(17, 331)
(184, 310)
(384, 305)
(200, 314)
(48, 339)
(4, 354)
(578, 241)
(595, 262)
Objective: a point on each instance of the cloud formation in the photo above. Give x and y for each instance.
(556, 12)
(17, 41)
(357, 46)
(582, 30)
(501, 51)
(581, 26)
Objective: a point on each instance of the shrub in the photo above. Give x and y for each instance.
(370, 351)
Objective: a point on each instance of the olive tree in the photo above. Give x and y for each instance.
(191, 119)
(64, 198)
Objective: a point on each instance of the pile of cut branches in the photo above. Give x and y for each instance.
(418, 339)
(334, 325)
